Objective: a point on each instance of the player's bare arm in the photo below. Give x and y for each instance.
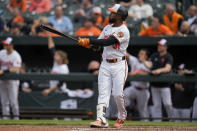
(14, 69)
(51, 43)
(148, 64)
(166, 69)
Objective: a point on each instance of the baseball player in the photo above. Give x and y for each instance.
(113, 70)
(160, 63)
(59, 67)
(138, 90)
(10, 61)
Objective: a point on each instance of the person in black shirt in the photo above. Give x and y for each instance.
(161, 63)
(182, 96)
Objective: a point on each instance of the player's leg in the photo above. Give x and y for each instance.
(4, 100)
(104, 92)
(185, 113)
(176, 114)
(130, 94)
(167, 101)
(156, 97)
(194, 114)
(13, 98)
(119, 76)
(142, 102)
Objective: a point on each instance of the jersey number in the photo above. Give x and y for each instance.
(116, 46)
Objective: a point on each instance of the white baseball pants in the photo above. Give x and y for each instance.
(9, 97)
(181, 113)
(141, 96)
(160, 95)
(194, 114)
(111, 79)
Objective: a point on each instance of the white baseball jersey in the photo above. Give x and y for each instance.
(137, 66)
(117, 50)
(59, 69)
(140, 12)
(11, 60)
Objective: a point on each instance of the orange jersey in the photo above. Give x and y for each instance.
(106, 21)
(162, 30)
(18, 19)
(93, 31)
(45, 34)
(99, 20)
(173, 24)
(21, 5)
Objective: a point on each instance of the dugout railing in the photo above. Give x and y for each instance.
(87, 77)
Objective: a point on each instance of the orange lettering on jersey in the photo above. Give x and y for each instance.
(120, 34)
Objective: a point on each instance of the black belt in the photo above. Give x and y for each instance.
(115, 60)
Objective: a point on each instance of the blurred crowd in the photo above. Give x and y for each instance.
(89, 18)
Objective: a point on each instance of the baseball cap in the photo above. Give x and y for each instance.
(114, 8)
(162, 42)
(8, 41)
(97, 10)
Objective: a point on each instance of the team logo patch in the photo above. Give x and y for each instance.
(120, 34)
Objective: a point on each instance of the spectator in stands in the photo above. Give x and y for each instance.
(161, 63)
(45, 33)
(86, 11)
(172, 19)
(21, 4)
(35, 29)
(192, 14)
(126, 2)
(156, 29)
(194, 28)
(184, 29)
(40, 6)
(15, 30)
(98, 18)
(24, 22)
(106, 21)
(182, 96)
(17, 18)
(10, 62)
(61, 22)
(56, 2)
(140, 10)
(60, 66)
(88, 29)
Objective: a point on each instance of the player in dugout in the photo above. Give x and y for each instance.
(113, 70)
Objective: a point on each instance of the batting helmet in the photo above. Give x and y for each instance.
(121, 10)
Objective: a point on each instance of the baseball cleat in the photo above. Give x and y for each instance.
(119, 123)
(98, 124)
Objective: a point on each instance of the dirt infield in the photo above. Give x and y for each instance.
(86, 128)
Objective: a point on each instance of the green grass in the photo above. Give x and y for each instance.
(86, 123)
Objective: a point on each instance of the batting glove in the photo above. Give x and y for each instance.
(85, 42)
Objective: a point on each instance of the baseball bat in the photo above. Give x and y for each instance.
(50, 29)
